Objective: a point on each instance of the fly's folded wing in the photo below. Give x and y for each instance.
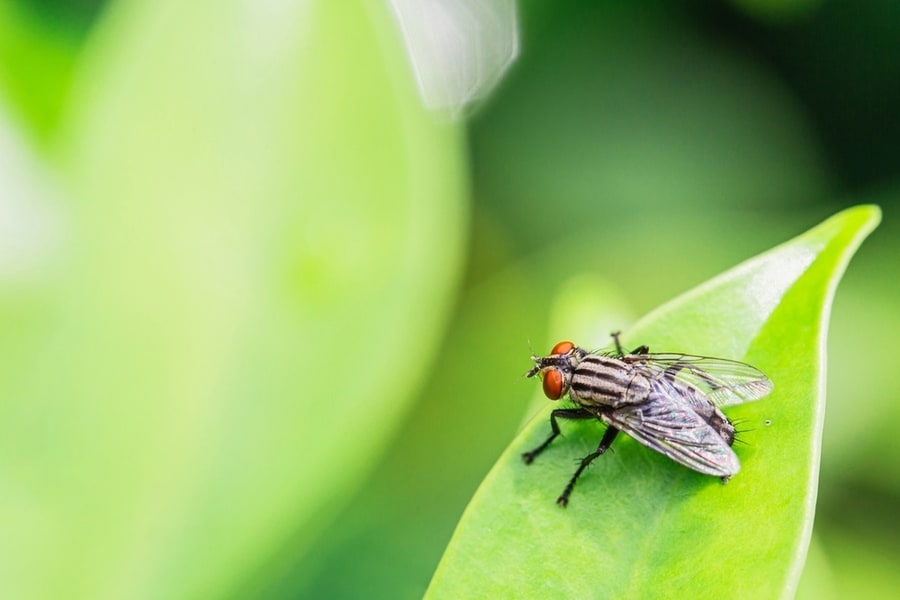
(667, 424)
(725, 382)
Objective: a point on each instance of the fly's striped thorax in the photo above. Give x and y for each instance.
(607, 381)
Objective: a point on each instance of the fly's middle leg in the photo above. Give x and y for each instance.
(605, 443)
(559, 413)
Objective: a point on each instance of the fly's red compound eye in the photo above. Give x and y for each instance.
(553, 384)
(562, 348)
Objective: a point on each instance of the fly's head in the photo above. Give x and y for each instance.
(555, 370)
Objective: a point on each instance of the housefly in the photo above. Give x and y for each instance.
(667, 402)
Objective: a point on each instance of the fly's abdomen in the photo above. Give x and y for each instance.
(710, 413)
(606, 381)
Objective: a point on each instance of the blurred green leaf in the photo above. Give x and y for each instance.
(817, 580)
(264, 221)
(37, 58)
(636, 519)
(863, 562)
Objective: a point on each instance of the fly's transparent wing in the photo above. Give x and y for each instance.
(724, 382)
(669, 426)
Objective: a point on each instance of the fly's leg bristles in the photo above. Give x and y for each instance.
(608, 437)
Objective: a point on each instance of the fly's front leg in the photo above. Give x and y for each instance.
(559, 413)
(605, 443)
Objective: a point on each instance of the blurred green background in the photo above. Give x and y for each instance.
(263, 317)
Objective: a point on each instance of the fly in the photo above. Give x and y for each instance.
(667, 402)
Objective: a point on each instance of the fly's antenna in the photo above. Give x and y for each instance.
(535, 369)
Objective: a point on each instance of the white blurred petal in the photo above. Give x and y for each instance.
(29, 222)
(459, 49)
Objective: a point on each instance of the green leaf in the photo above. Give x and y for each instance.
(639, 525)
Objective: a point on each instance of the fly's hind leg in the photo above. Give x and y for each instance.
(559, 413)
(605, 443)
